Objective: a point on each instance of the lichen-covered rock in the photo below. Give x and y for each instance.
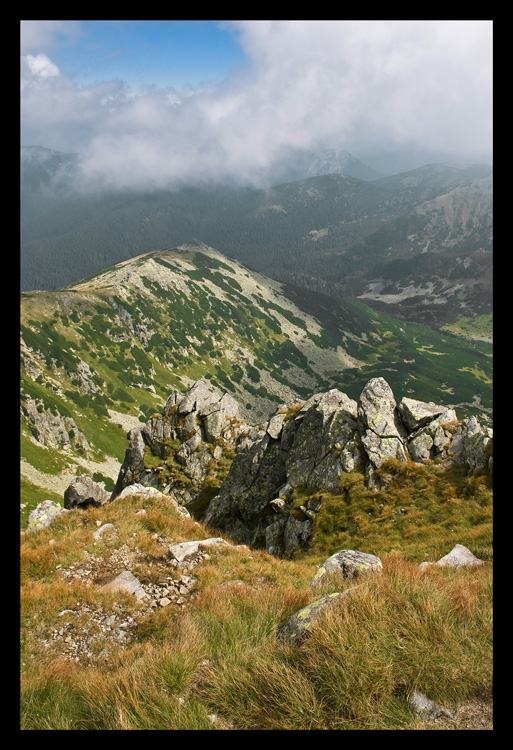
(83, 492)
(297, 533)
(477, 446)
(299, 626)
(242, 508)
(274, 535)
(416, 414)
(347, 563)
(325, 443)
(43, 515)
(433, 439)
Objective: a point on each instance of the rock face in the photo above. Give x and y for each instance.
(241, 479)
(51, 428)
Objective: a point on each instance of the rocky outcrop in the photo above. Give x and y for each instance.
(84, 379)
(242, 479)
(314, 445)
(151, 492)
(383, 434)
(187, 449)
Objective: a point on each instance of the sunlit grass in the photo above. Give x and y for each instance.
(218, 664)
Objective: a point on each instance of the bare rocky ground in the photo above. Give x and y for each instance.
(91, 633)
(476, 714)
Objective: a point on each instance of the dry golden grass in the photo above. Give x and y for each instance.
(404, 630)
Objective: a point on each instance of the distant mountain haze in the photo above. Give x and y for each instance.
(416, 244)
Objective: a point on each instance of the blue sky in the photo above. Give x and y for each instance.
(160, 103)
(148, 53)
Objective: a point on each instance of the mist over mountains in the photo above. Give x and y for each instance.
(416, 244)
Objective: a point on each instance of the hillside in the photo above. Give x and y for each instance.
(103, 354)
(196, 645)
(417, 244)
(135, 615)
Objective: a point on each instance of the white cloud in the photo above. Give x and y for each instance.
(352, 84)
(41, 65)
(36, 67)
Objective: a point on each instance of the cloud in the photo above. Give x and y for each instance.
(307, 84)
(41, 65)
(38, 35)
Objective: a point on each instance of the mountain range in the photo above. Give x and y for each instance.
(204, 427)
(99, 356)
(417, 245)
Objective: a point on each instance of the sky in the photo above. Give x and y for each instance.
(152, 104)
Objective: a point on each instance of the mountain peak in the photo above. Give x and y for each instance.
(334, 161)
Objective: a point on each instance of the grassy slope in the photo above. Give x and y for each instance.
(398, 632)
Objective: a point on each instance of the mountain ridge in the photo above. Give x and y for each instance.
(333, 233)
(109, 350)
